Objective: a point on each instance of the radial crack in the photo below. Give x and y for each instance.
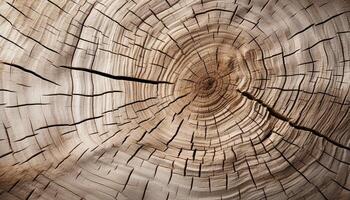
(292, 124)
(124, 78)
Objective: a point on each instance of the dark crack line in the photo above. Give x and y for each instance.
(25, 137)
(57, 6)
(124, 78)
(177, 131)
(6, 154)
(292, 124)
(28, 104)
(130, 103)
(38, 42)
(8, 136)
(28, 71)
(270, 109)
(115, 21)
(84, 95)
(332, 17)
(73, 124)
(33, 156)
(301, 174)
(18, 10)
(301, 31)
(10, 41)
(6, 90)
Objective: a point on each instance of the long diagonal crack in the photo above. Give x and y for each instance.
(292, 124)
(28, 71)
(124, 78)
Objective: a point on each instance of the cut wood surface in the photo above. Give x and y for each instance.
(174, 99)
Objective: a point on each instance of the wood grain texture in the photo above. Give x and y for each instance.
(174, 99)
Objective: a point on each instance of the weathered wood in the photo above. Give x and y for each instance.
(174, 99)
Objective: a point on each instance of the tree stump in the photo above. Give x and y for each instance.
(174, 99)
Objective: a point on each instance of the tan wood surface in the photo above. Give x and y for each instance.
(174, 99)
